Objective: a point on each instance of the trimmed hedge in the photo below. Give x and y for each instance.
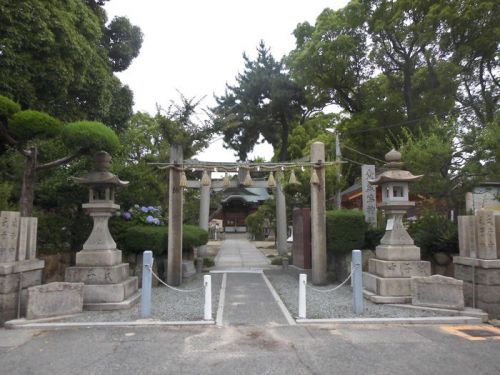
(345, 230)
(139, 238)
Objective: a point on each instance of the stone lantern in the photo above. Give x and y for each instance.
(397, 258)
(99, 264)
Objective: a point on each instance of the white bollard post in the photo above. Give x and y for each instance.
(357, 282)
(147, 262)
(302, 295)
(207, 282)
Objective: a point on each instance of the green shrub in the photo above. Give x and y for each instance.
(278, 261)
(26, 125)
(373, 237)
(345, 230)
(91, 135)
(434, 232)
(193, 236)
(5, 195)
(138, 238)
(208, 262)
(8, 107)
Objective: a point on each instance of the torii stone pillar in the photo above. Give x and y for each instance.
(318, 219)
(281, 222)
(204, 211)
(174, 268)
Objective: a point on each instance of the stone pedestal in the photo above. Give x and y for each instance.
(19, 268)
(99, 266)
(397, 260)
(478, 264)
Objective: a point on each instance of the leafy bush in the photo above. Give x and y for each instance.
(208, 262)
(193, 236)
(144, 215)
(278, 261)
(262, 218)
(138, 238)
(373, 237)
(8, 107)
(92, 135)
(5, 195)
(26, 125)
(345, 230)
(434, 232)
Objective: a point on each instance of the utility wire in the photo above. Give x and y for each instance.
(359, 152)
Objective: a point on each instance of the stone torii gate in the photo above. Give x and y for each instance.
(281, 222)
(176, 168)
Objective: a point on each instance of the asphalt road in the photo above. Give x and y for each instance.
(243, 349)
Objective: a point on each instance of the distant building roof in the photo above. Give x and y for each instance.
(247, 194)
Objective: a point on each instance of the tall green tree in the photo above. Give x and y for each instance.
(263, 102)
(59, 56)
(23, 130)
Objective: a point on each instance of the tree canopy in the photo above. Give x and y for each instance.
(59, 57)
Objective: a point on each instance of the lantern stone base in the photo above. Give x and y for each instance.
(98, 257)
(107, 286)
(389, 280)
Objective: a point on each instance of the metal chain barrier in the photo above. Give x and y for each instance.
(335, 288)
(171, 287)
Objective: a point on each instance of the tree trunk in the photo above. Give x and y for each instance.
(284, 140)
(29, 178)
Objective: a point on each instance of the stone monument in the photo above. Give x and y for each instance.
(397, 259)
(478, 264)
(19, 268)
(99, 265)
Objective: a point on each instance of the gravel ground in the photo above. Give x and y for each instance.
(167, 304)
(337, 304)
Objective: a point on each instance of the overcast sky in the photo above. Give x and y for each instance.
(196, 47)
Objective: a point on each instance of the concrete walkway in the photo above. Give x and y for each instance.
(238, 254)
(247, 298)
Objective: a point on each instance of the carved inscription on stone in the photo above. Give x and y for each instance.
(486, 237)
(9, 230)
(369, 195)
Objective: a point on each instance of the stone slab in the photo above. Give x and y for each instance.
(110, 306)
(9, 232)
(369, 195)
(32, 237)
(98, 275)
(485, 234)
(437, 291)
(483, 263)
(98, 258)
(54, 299)
(467, 236)
(24, 266)
(493, 309)
(22, 243)
(487, 276)
(497, 230)
(396, 287)
(483, 293)
(9, 301)
(10, 283)
(110, 292)
(386, 299)
(396, 268)
(397, 252)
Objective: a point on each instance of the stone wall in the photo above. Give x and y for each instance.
(478, 264)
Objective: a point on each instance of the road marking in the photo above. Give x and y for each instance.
(459, 331)
(280, 303)
(222, 296)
